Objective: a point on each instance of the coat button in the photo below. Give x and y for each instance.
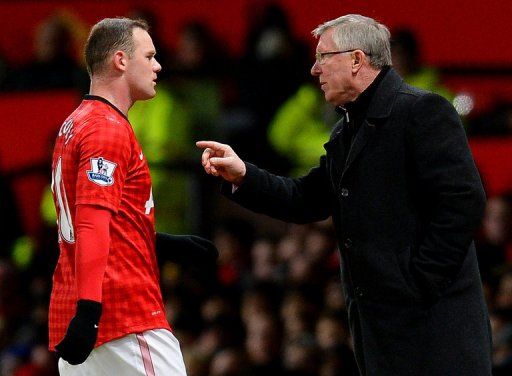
(344, 192)
(359, 292)
(347, 243)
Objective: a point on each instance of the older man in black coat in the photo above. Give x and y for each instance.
(405, 196)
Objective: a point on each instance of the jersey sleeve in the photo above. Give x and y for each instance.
(103, 156)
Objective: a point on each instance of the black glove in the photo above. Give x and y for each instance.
(186, 250)
(81, 334)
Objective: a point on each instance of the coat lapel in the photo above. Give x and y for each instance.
(334, 147)
(385, 96)
(379, 109)
(365, 133)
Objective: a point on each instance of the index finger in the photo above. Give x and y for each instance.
(210, 144)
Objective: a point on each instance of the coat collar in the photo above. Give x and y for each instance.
(384, 97)
(380, 107)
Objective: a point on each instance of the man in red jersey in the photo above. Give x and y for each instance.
(106, 311)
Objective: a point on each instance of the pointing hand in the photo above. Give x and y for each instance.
(220, 160)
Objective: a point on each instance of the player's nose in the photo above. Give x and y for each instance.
(157, 67)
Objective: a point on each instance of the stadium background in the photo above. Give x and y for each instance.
(266, 266)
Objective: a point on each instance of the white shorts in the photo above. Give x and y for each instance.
(152, 353)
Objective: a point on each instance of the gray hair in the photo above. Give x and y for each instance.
(354, 31)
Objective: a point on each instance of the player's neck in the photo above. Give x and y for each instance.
(111, 91)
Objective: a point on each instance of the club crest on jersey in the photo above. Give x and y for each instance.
(101, 171)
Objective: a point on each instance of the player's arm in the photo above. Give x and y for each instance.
(92, 248)
(301, 200)
(186, 250)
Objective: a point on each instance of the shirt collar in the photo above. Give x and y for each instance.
(101, 99)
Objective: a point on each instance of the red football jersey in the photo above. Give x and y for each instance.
(98, 161)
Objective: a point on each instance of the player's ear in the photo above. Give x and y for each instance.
(120, 59)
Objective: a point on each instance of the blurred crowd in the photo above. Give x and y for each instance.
(274, 303)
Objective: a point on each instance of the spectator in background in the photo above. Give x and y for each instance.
(23, 324)
(333, 338)
(301, 357)
(503, 298)
(273, 54)
(198, 52)
(299, 310)
(229, 362)
(258, 300)
(12, 308)
(263, 261)
(41, 363)
(199, 62)
(333, 296)
(503, 352)
(23, 297)
(300, 128)
(234, 237)
(272, 69)
(494, 245)
(54, 65)
(11, 228)
(338, 362)
(332, 331)
(263, 345)
(406, 54)
(502, 326)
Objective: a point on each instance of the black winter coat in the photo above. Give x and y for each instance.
(405, 206)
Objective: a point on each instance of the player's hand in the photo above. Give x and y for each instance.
(81, 334)
(187, 250)
(220, 160)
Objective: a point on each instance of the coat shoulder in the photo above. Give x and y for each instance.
(419, 101)
(411, 92)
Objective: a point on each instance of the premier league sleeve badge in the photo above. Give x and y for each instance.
(101, 171)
